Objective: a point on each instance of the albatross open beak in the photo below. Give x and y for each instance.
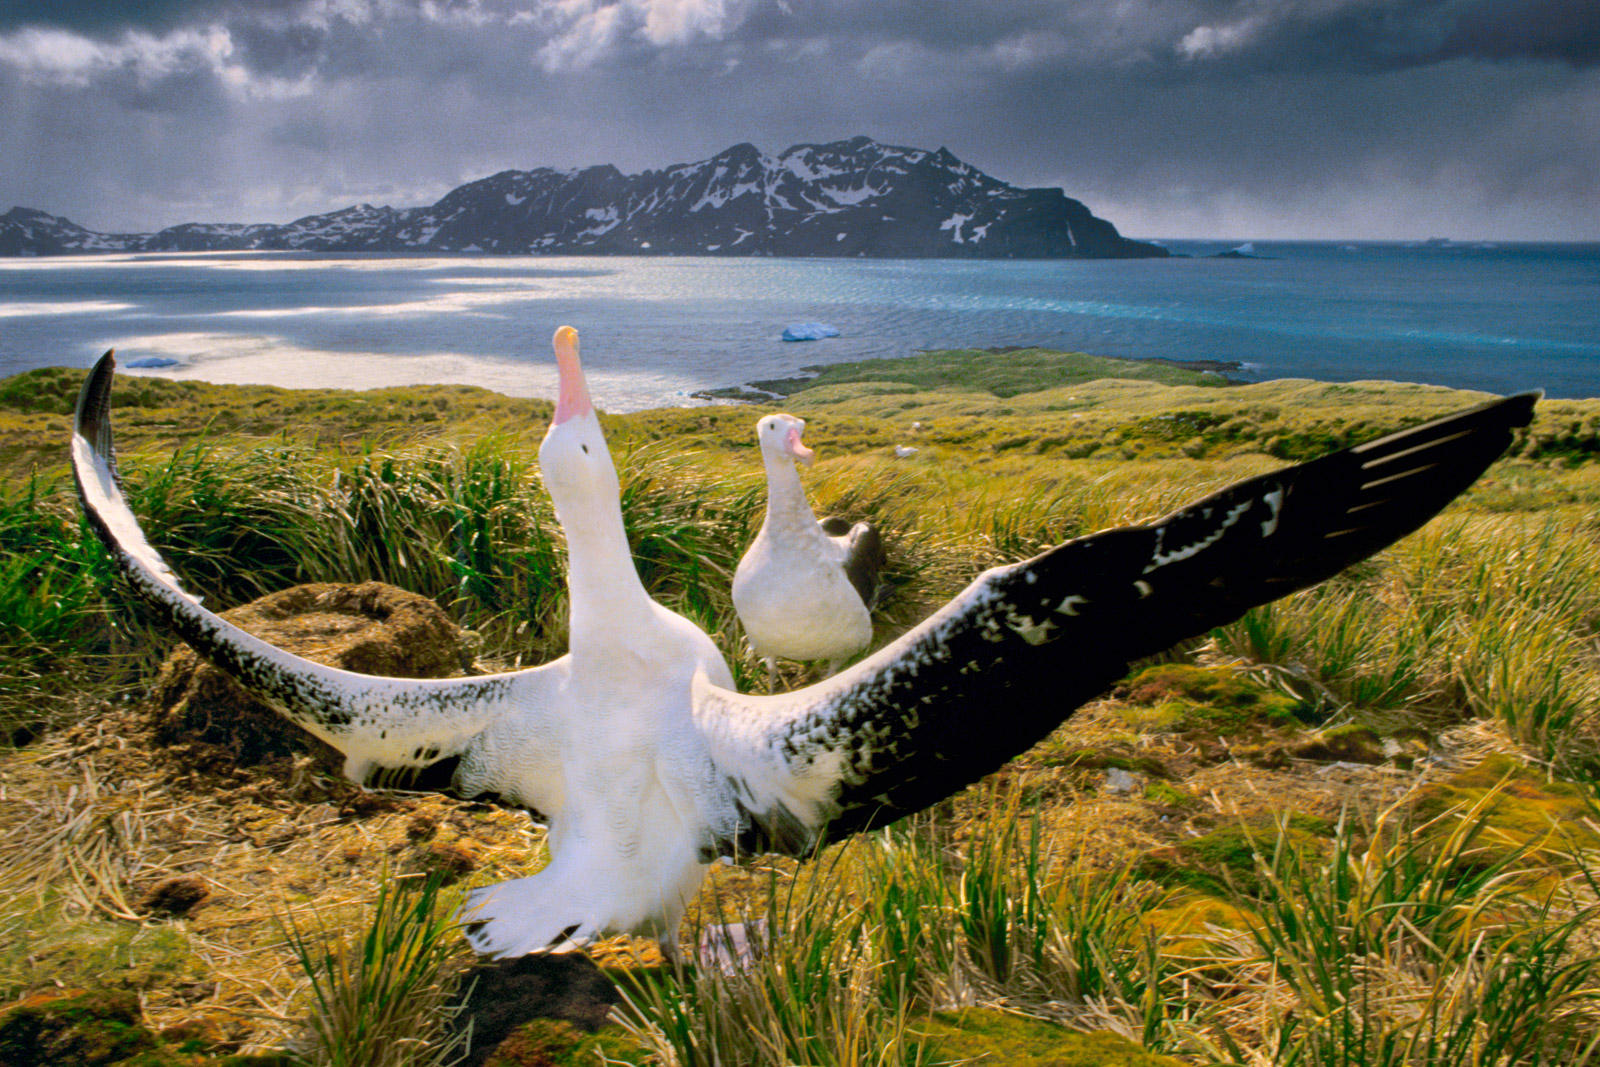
(572, 398)
(798, 450)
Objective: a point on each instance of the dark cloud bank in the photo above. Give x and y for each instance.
(1320, 118)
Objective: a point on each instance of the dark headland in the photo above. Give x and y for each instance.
(854, 198)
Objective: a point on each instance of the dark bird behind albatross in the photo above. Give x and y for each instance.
(649, 764)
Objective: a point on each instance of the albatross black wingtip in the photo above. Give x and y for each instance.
(94, 404)
(1347, 505)
(1507, 413)
(1522, 405)
(1513, 411)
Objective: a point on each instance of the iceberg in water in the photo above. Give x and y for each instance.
(151, 362)
(1244, 251)
(808, 331)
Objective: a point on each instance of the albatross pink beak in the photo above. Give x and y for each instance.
(798, 450)
(572, 399)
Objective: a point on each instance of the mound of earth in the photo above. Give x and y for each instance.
(370, 628)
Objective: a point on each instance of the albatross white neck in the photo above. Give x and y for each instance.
(606, 595)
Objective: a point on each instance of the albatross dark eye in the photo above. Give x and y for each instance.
(585, 449)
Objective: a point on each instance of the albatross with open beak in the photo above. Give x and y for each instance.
(648, 764)
(805, 589)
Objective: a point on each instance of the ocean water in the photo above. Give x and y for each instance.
(1499, 318)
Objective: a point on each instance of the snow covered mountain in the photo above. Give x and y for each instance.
(848, 198)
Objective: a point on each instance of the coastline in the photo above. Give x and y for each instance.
(661, 329)
(771, 390)
(1006, 400)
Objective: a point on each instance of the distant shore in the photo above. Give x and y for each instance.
(767, 390)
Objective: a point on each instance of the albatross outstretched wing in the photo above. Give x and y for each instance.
(374, 721)
(1014, 654)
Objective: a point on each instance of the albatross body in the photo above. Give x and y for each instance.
(804, 590)
(648, 764)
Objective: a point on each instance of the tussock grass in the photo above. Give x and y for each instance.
(383, 1000)
(814, 993)
(1489, 616)
(1394, 943)
(1422, 947)
(926, 922)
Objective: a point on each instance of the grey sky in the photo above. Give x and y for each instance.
(1233, 118)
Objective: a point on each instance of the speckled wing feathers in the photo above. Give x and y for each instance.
(389, 722)
(1011, 657)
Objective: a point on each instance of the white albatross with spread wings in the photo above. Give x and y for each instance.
(804, 590)
(647, 762)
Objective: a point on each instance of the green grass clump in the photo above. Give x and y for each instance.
(557, 1043)
(1490, 616)
(1170, 796)
(994, 1037)
(1416, 948)
(381, 1001)
(846, 978)
(57, 623)
(1522, 810)
(1227, 857)
(45, 944)
(812, 995)
(91, 1028)
(1219, 701)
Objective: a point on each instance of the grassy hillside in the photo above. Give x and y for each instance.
(1356, 826)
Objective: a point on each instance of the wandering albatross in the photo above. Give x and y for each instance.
(804, 589)
(648, 763)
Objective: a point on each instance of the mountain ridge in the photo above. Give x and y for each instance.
(851, 198)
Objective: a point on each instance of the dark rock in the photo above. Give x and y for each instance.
(782, 387)
(1219, 366)
(175, 896)
(504, 994)
(738, 393)
(1345, 744)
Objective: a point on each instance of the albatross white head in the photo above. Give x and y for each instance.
(780, 440)
(573, 459)
(582, 481)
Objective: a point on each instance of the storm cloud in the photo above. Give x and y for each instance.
(1247, 118)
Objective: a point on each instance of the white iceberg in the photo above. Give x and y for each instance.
(808, 331)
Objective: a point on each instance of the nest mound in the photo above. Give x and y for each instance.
(370, 628)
